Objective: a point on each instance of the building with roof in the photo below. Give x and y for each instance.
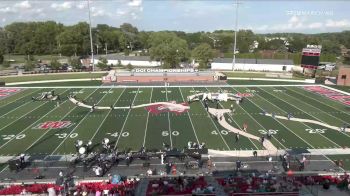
(276, 65)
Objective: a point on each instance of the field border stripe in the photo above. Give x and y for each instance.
(298, 109)
(146, 128)
(337, 90)
(109, 112)
(189, 117)
(175, 86)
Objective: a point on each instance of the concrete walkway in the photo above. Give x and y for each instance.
(222, 121)
(309, 121)
(172, 106)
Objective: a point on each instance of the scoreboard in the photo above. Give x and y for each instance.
(311, 57)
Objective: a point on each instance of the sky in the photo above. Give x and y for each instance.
(261, 16)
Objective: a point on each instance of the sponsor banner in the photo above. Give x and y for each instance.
(337, 96)
(162, 108)
(54, 125)
(7, 92)
(144, 70)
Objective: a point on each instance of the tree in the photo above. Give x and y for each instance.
(203, 53)
(29, 65)
(130, 67)
(75, 62)
(168, 48)
(1, 57)
(102, 63)
(55, 64)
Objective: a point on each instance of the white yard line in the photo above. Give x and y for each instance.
(300, 122)
(258, 122)
(170, 131)
(304, 110)
(17, 98)
(99, 127)
(347, 113)
(47, 131)
(189, 116)
(239, 126)
(146, 128)
(86, 115)
(284, 126)
(30, 126)
(14, 109)
(23, 114)
(217, 129)
(126, 119)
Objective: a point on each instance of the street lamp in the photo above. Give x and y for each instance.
(235, 44)
(91, 45)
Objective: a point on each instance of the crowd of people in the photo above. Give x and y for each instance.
(115, 186)
(180, 186)
(256, 183)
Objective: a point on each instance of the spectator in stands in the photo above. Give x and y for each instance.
(149, 172)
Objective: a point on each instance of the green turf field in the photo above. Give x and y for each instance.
(21, 118)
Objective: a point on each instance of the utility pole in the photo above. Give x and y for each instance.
(235, 44)
(106, 49)
(91, 45)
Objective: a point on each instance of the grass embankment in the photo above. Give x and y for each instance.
(60, 76)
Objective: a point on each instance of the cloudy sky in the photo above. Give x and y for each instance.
(309, 16)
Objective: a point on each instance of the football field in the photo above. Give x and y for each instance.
(43, 127)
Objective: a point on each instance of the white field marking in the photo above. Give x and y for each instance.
(23, 115)
(322, 112)
(86, 115)
(284, 126)
(306, 112)
(188, 114)
(300, 122)
(175, 86)
(258, 122)
(99, 127)
(16, 108)
(238, 125)
(30, 126)
(126, 119)
(51, 128)
(217, 129)
(18, 98)
(343, 112)
(146, 128)
(170, 131)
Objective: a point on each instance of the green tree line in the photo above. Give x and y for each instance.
(170, 47)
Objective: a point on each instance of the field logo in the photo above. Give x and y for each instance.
(174, 107)
(54, 125)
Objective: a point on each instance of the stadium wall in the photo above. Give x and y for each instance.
(344, 76)
(252, 67)
(132, 62)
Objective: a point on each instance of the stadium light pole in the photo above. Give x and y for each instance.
(235, 42)
(91, 45)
